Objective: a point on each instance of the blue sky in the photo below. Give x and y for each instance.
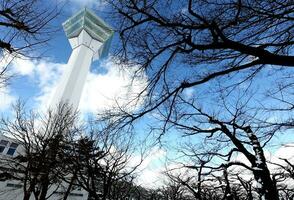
(36, 80)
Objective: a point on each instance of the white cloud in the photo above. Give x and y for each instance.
(6, 98)
(75, 5)
(47, 76)
(43, 73)
(106, 91)
(18, 65)
(284, 152)
(153, 166)
(24, 67)
(150, 172)
(101, 91)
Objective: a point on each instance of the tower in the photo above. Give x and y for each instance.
(90, 38)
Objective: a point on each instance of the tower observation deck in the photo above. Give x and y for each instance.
(90, 39)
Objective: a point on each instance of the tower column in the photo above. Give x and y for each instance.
(89, 37)
(73, 80)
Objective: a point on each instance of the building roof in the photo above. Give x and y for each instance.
(87, 20)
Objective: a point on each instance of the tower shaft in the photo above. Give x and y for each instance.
(70, 88)
(90, 38)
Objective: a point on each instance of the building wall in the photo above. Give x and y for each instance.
(13, 190)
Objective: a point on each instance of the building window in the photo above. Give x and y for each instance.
(2, 149)
(70, 194)
(12, 149)
(3, 144)
(75, 194)
(13, 185)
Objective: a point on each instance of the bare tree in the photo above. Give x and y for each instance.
(101, 162)
(25, 24)
(42, 160)
(188, 44)
(213, 48)
(228, 131)
(25, 27)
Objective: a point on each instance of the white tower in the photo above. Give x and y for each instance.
(89, 37)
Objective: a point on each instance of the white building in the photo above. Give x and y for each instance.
(13, 190)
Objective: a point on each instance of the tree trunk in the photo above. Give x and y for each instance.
(228, 192)
(70, 186)
(26, 196)
(44, 189)
(266, 186)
